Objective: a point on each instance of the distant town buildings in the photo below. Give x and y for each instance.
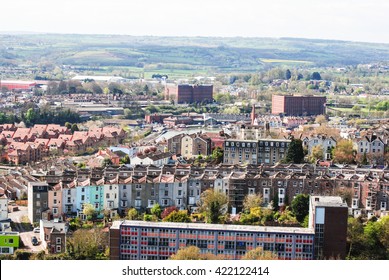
(293, 105)
(17, 85)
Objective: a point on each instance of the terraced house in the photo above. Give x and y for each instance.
(120, 188)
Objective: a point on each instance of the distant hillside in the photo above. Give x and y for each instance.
(185, 53)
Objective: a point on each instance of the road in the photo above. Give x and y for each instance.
(25, 230)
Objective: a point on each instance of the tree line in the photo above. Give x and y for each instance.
(37, 116)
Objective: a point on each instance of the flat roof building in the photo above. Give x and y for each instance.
(188, 94)
(139, 240)
(293, 105)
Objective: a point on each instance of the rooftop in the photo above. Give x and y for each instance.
(201, 226)
(328, 201)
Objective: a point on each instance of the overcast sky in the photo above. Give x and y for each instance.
(354, 20)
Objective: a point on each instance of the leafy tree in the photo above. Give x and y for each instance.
(356, 108)
(295, 152)
(192, 253)
(125, 160)
(252, 201)
(300, 207)
(254, 217)
(30, 116)
(364, 160)
(88, 244)
(68, 125)
(132, 214)
(316, 76)
(320, 119)
(343, 152)
(156, 210)
(180, 216)
(74, 127)
(288, 74)
(89, 211)
(107, 162)
(354, 233)
(81, 165)
(168, 210)
(217, 155)
(259, 254)
(317, 153)
(214, 205)
(231, 110)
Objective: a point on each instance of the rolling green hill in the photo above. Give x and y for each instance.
(186, 53)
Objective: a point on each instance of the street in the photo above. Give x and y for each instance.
(20, 221)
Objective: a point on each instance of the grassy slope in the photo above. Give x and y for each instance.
(187, 54)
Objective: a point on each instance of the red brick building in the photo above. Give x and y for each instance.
(189, 93)
(17, 85)
(293, 105)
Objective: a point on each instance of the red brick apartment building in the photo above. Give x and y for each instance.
(293, 105)
(325, 237)
(187, 94)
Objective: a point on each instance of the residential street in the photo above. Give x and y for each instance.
(25, 229)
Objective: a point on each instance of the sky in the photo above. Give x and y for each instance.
(350, 20)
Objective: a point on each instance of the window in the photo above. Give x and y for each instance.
(251, 190)
(55, 201)
(97, 196)
(138, 203)
(96, 205)
(166, 193)
(97, 189)
(124, 187)
(82, 197)
(69, 193)
(151, 203)
(58, 249)
(107, 195)
(82, 189)
(38, 195)
(179, 192)
(58, 240)
(110, 188)
(55, 193)
(55, 210)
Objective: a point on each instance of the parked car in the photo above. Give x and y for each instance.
(37, 230)
(34, 241)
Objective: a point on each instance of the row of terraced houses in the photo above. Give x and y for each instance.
(60, 193)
